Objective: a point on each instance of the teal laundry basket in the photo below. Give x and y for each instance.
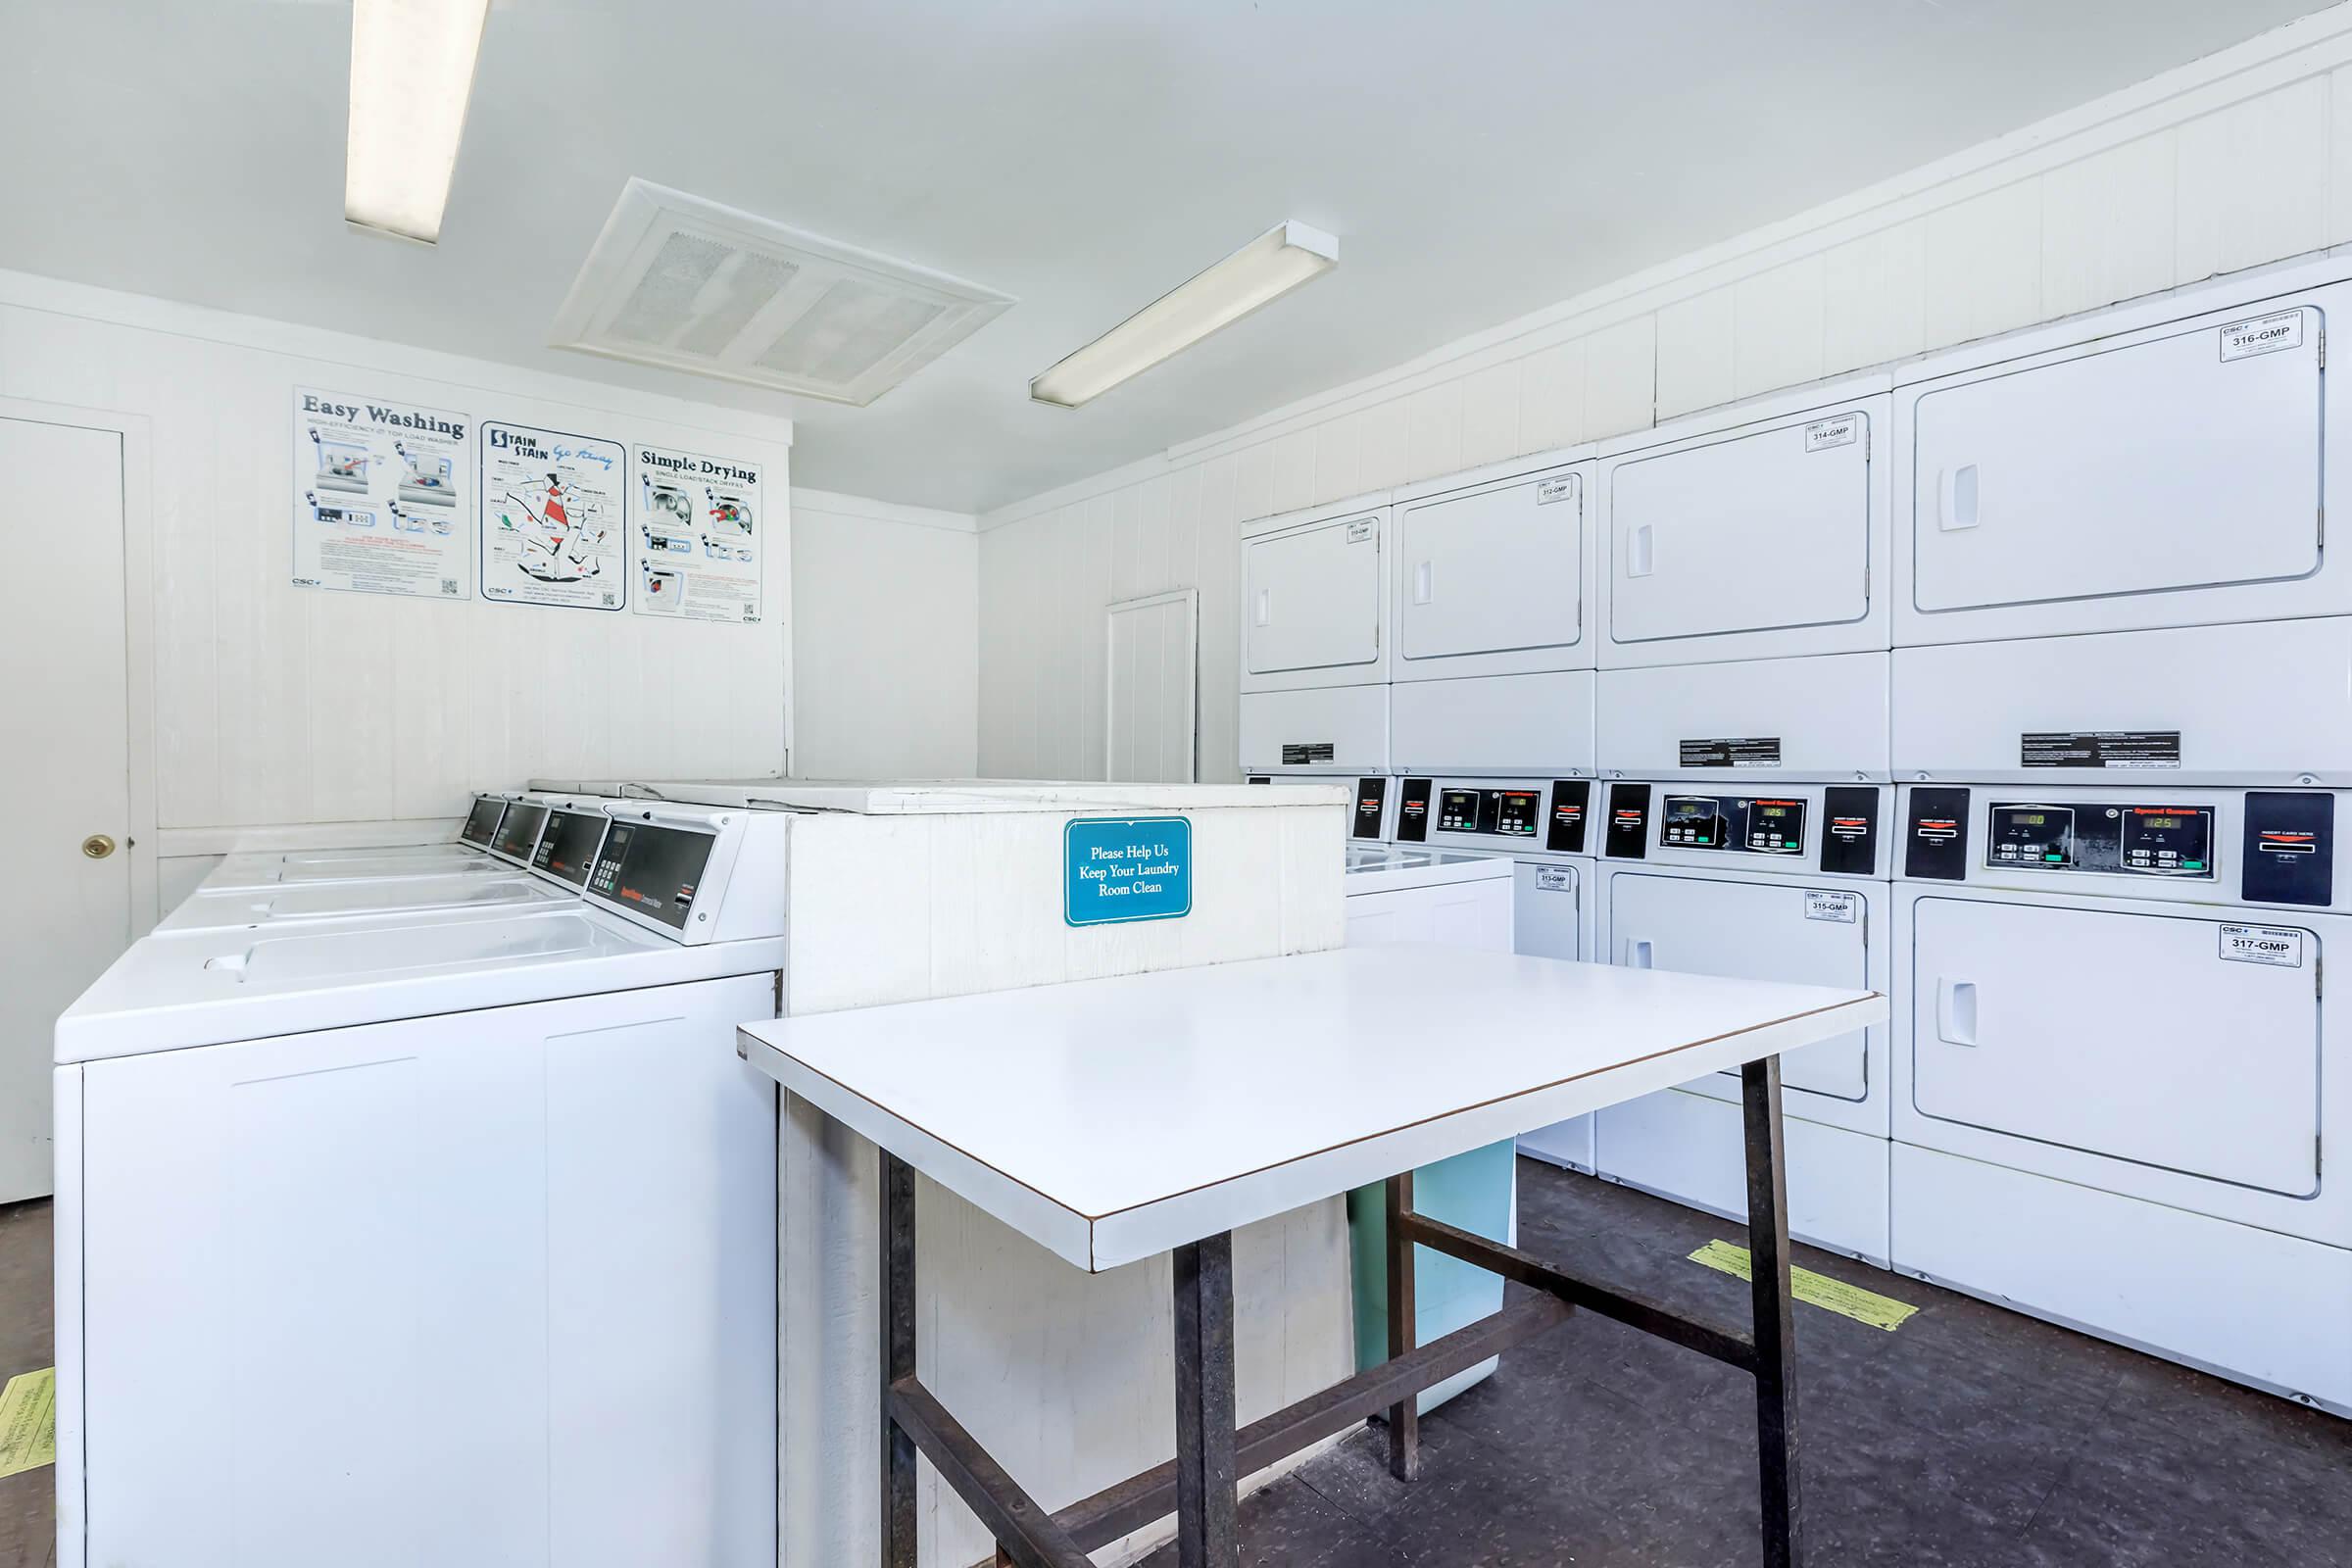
(1477, 1191)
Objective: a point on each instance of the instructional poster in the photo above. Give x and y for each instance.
(553, 518)
(699, 541)
(380, 496)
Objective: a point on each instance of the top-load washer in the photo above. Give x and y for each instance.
(342, 1178)
(1495, 640)
(1315, 639)
(2121, 1086)
(1755, 531)
(467, 855)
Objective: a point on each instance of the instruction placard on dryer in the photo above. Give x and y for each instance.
(700, 541)
(555, 523)
(380, 496)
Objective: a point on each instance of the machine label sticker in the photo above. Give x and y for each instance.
(1359, 530)
(1117, 869)
(2263, 944)
(2268, 334)
(1843, 907)
(1554, 879)
(380, 496)
(2099, 748)
(554, 516)
(1551, 490)
(700, 546)
(1822, 434)
(1737, 750)
(1306, 754)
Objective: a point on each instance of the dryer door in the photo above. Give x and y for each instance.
(2138, 1036)
(1750, 533)
(1751, 931)
(1494, 572)
(1313, 598)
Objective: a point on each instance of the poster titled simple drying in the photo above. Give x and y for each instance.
(379, 502)
(555, 525)
(701, 546)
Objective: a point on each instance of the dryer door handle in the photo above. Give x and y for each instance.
(1423, 589)
(1956, 1011)
(1265, 606)
(1640, 550)
(1956, 498)
(1638, 953)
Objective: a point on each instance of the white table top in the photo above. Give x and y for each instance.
(1111, 1121)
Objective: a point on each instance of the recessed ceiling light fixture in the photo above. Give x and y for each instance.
(412, 72)
(1259, 273)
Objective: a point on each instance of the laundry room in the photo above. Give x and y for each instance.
(1073, 785)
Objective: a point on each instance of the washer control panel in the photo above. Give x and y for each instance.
(1760, 825)
(482, 822)
(652, 868)
(1498, 814)
(2115, 838)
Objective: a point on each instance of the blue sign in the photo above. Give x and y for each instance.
(1126, 868)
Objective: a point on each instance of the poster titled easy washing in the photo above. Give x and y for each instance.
(701, 547)
(379, 502)
(555, 525)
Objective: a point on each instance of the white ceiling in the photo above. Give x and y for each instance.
(1479, 160)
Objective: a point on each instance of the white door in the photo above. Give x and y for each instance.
(2165, 466)
(1751, 534)
(67, 785)
(1154, 722)
(2131, 1036)
(1312, 597)
(1494, 572)
(1749, 931)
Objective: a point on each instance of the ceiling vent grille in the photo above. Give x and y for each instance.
(690, 285)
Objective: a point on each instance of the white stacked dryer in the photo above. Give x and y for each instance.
(2120, 1083)
(1745, 833)
(1314, 650)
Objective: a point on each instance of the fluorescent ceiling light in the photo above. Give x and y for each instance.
(1259, 273)
(412, 70)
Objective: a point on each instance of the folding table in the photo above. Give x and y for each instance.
(1112, 1120)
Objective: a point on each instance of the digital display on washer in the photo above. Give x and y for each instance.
(1761, 825)
(1498, 814)
(568, 845)
(481, 823)
(518, 834)
(651, 869)
(2105, 837)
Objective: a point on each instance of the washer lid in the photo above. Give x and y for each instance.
(270, 870)
(1384, 868)
(196, 988)
(214, 908)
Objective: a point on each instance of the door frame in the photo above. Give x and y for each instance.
(1111, 674)
(139, 630)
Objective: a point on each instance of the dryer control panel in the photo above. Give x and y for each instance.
(1832, 828)
(2205, 846)
(2115, 837)
(1534, 814)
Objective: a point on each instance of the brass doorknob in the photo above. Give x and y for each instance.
(98, 845)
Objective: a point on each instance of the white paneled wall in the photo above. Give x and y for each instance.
(285, 715)
(885, 639)
(2236, 160)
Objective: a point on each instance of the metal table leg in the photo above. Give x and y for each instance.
(1207, 1485)
(898, 1359)
(1404, 1416)
(1775, 1315)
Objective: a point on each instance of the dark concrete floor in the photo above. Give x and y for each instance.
(1969, 1437)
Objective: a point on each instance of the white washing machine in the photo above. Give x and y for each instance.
(1315, 639)
(1755, 531)
(1539, 825)
(438, 1240)
(467, 855)
(2118, 1077)
(1495, 639)
(1776, 881)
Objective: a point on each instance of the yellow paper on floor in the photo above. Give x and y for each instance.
(1833, 1296)
(28, 1421)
